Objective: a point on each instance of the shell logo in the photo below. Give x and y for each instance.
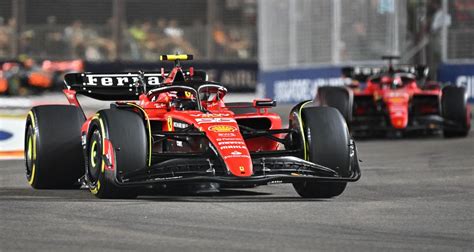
(222, 128)
(396, 99)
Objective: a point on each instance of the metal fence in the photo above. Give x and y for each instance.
(6, 29)
(291, 32)
(128, 29)
(306, 32)
(459, 37)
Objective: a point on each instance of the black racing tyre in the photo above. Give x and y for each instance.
(53, 151)
(340, 98)
(455, 108)
(126, 132)
(328, 142)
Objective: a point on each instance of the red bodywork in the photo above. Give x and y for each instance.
(393, 95)
(219, 124)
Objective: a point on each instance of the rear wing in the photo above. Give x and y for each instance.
(108, 87)
(361, 74)
(125, 86)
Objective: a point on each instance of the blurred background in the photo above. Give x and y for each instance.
(281, 49)
(111, 30)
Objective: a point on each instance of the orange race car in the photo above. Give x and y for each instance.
(27, 77)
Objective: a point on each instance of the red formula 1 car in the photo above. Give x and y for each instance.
(398, 100)
(175, 130)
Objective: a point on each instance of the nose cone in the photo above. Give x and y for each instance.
(232, 148)
(399, 121)
(223, 132)
(397, 105)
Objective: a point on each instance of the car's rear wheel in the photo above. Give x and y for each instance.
(53, 151)
(125, 131)
(327, 142)
(456, 109)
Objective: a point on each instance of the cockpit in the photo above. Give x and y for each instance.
(393, 81)
(182, 96)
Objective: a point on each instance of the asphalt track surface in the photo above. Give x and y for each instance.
(414, 194)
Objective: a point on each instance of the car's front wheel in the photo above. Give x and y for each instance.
(456, 109)
(326, 142)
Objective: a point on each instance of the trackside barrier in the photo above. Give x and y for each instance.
(11, 135)
(458, 74)
(292, 86)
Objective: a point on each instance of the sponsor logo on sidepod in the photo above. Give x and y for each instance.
(222, 128)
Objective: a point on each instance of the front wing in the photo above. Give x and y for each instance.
(286, 169)
(382, 123)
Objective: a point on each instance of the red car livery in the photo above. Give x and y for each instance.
(173, 129)
(399, 100)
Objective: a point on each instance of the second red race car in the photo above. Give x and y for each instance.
(397, 100)
(173, 129)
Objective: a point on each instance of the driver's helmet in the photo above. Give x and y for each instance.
(184, 95)
(397, 82)
(184, 100)
(386, 80)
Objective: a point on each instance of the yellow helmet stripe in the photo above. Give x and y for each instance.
(33, 166)
(173, 57)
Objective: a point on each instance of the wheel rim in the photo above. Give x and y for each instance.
(29, 151)
(93, 154)
(30, 155)
(95, 159)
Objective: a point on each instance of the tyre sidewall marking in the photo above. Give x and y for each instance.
(300, 120)
(94, 186)
(31, 178)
